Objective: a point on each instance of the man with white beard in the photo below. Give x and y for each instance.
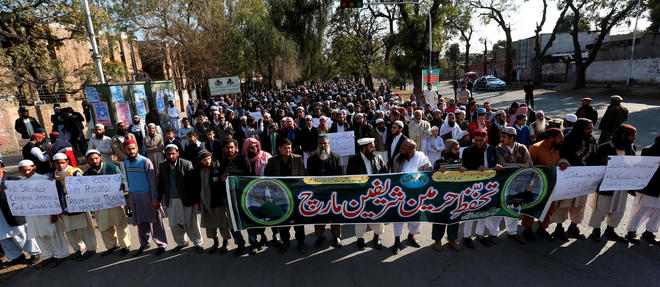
(408, 160)
(419, 130)
(539, 125)
(324, 163)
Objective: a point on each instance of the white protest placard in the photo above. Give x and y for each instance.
(89, 193)
(629, 172)
(224, 86)
(256, 116)
(32, 197)
(342, 143)
(577, 181)
(316, 122)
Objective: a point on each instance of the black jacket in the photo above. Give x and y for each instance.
(333, 128)
(333, 167)
(388, 146)
(19, 126)
(356, 165)
(266, 144)
(183, 169)
(4, 205)
(307, 139)
(218, 197)
(473, 157)
(215, 147)
(587, 112)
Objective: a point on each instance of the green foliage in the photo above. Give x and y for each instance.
(452, 56)
(654, 15)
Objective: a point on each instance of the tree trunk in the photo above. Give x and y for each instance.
(538, 79)
(416, 71)
(580, 75)
(466, 67)
(508, 54)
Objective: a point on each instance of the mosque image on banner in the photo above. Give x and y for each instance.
(267, 201)
(523, 189)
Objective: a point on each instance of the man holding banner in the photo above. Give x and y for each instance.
(367, 162)
(409, 161)
(646, 205)
(111, 222)
(611, 205)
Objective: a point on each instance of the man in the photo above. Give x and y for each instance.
(340, 124)
(307, 137)
(490, 114)
(212, 144)
(436, 120)
(181, 201)
(173, 113)
(646, 205)
(463, 95)
(450, 129)
(101, 142)
(26, 125)
(394, 142)
(287, 164)
(509, 154)
(201, 126)
(78, 226)
(569, 121)
(578, 149)
(290, 131)
(325, 163)
(480, 122)
(419, 130)
(430, 96)
(409, 161)
(380, 133)
(137, 129)
(258, 160)
(32, 152)
(191, 109)
(233, 164)
(73, 123)
(13, 237)
(538, 126)
(143, 199)
(118, 142)
(47, 230)
(478, 156)
(614, 116)
(611, 205)
(450, 159)
(61, 145)
(545, 152)
(269, 139)
(361, 129)
(171, 139)
(587, 111)
(367, 162)
(192, 147)
(218, 124)
(529, 94)
(183, 131)
(112, 221)
(523, 130)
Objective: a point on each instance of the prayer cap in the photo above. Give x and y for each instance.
(25, 162)
(571, 118)
(92, 151)
(172, 146)
(399, 123)
(510, 131)
(59, 156)
(379, 120)
(99, 126)
(616, 98)
(365, 141)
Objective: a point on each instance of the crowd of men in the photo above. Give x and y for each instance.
(180, 173)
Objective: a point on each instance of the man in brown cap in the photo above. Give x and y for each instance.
(587, 111)
(611, 205)
(615, 115)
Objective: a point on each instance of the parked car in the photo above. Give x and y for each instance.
(490, 83)
(470, 77)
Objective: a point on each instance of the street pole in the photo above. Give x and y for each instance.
(632, 49)
(430, 42)
(92, 39)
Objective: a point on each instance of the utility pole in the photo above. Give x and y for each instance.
(485, 57)
(92, 39)
(632, 49)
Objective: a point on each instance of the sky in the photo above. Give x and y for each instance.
(526, 16)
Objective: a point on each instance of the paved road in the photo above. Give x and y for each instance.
(575, 263)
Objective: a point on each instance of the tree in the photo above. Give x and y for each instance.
(29, 44)
(566, 24)
(460, 19)
(606, 14)
(654, 15)
(539, 52)
(452, 54)
(496, 10)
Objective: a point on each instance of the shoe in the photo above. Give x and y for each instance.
(57, 261)
(75, 255)
(544, 234)
(468, 242)
(276, 240)
(179, 247)
(336, 243)
(484, 241)
(612, 236)
(516, 238)
(632, 237)
(492, 239)
(109, 251)
(123, 251)
(87, 254)
(253, 249)
(34, 259)
(284, 246)
(413, 242)
(454, 245)
(214, 247)
(263, 241)
(301, 247)
(377, 244)
(529, 234)
(21, 259)
(560, 234)
(360, 244)
(319, 241)
(647, 235)
(397, 245)
(160, 251)
(199, 249)
(239, 251)
(574, 232)
(223, 249)
(595, 235)
(437, 245)
(139, 251)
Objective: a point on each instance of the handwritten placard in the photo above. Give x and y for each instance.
(32, 197)
(629, 172)
(342, 143)
(256, 115)
(576, 181)
(89, 193)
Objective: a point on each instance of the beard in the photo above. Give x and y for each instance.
(369, 154)
(251, 154)
(556, 146)
(402, 158)
(540, 124)
(99, 136)
(323, 153)
(451, 123)
(121, 131)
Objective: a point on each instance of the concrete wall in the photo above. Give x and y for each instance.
(10, 140)
(644, 71)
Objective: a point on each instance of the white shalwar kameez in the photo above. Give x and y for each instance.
(417, 161)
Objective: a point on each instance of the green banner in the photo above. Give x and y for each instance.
(436, 197)
(431, 76)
